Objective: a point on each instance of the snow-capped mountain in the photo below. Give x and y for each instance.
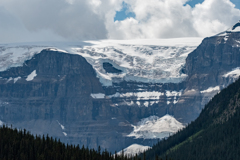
(110, 92)
(151, 61)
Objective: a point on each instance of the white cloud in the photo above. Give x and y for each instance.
(51, 20)
(171, 18)
(70, 19)
(214, 16)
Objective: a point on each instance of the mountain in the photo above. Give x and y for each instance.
(98, 92)
(213, 135)
(55, 90)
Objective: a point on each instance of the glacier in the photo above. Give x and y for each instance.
(150, 61)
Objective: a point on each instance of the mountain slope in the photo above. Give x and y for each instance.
(55, 90)
(213, 135)
(95, 92)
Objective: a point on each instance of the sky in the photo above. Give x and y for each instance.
(77, 20)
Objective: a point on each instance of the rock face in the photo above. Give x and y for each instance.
(59, 94)
(206, 67)
(57, 101)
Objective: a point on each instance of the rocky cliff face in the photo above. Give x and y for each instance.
(212, 59)
(66, 96)
(210, 68)
(50, 94)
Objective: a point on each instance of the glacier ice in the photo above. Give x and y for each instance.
(150, 61)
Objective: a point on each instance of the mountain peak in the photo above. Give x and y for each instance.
(236, 26)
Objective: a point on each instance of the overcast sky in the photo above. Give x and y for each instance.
(75, 20)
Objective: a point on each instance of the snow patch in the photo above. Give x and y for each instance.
(146, 104)
(31, 76)
(173, 93)
(9, 79)
(16, 79)
(65, 134)
(148, 97)
(57, 50)
(98, 95)
(62, 126)
(139, 95)
(235, 73)
(1, 123)
(211, 89)
(155, 127)
(138, 103)
(153, 102)
(175, 101)
(133, 150)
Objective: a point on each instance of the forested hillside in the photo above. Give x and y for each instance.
(215, 134)
(21, 145)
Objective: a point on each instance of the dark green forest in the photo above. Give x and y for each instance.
(21, 145)
(214, 135)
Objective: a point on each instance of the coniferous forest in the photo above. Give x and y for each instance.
(21, 145)
(214, 135)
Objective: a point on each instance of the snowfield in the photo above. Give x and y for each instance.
(133, 150)
(155, 127)
(151, 61)
(154, 61)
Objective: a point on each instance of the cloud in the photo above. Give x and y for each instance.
(214, 16)
(171, 18)
(73, 20)
(12, 30)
